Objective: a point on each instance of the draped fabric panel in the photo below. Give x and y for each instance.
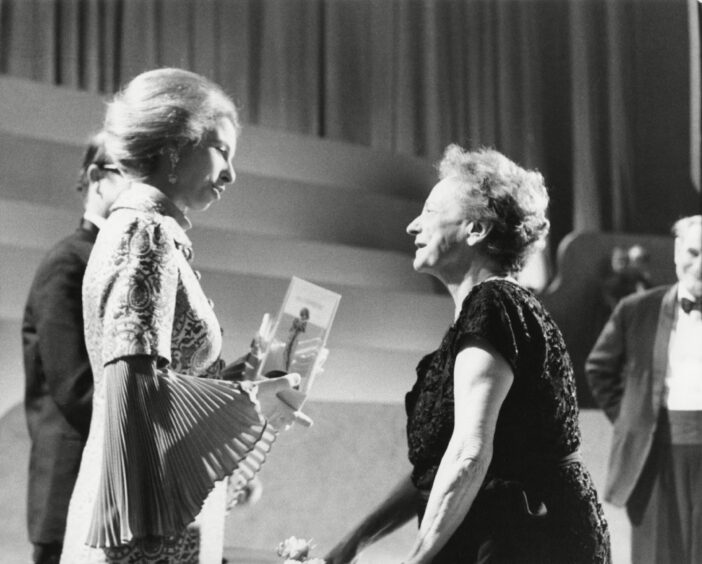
(695, 32)
(631, 115)
(594, 93)
(588, 139)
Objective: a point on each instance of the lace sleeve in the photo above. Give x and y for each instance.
(489, 314)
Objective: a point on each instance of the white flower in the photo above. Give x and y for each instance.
(294, 549)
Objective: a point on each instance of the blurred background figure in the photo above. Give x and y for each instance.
(629, 273)
(616, 284)
(639, 263)
(58, 378)
(537, 272)
(645, 371)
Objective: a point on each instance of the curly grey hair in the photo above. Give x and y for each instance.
(511, 199)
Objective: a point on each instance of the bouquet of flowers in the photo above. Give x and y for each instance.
(294, 550)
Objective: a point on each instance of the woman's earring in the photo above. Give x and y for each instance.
(173, 157)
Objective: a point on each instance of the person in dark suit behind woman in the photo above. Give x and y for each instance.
(58, 379)
(644, 371)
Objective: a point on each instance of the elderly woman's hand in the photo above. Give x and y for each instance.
(279, 413)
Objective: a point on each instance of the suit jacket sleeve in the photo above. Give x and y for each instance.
(603, 367)
(62, 344)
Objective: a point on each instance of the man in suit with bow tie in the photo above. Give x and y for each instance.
(645, 372)
(58, 379)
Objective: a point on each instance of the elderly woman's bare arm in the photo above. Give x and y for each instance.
(482, 379)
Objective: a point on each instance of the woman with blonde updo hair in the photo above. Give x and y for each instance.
(492, 420)
(163, 111)
(166, 430)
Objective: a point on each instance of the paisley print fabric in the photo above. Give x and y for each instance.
(138, 293)
(535, 437)
(151, 301)
(141, 297)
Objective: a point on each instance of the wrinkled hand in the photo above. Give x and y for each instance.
(278, 412)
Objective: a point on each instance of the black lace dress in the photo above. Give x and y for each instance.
(538, 503)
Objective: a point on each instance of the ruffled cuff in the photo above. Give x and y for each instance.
(168, 439)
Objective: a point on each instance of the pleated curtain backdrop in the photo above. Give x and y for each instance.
(595, 93)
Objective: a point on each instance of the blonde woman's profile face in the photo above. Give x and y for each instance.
(204, 171)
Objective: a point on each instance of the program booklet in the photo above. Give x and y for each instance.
(299, 332)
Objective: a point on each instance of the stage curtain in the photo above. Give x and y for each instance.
(631, 111)
(594, 93)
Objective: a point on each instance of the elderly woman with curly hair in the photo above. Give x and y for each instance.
(492, 419)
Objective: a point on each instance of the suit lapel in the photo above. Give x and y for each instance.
(666, 317)
(89, 226)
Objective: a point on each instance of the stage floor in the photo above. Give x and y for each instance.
(15, 548)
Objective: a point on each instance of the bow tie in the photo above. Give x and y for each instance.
(689, 305)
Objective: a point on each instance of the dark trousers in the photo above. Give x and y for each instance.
(47, 553)
(667, 527)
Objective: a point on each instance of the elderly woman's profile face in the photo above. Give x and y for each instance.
(440, 231)
(203, 171)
